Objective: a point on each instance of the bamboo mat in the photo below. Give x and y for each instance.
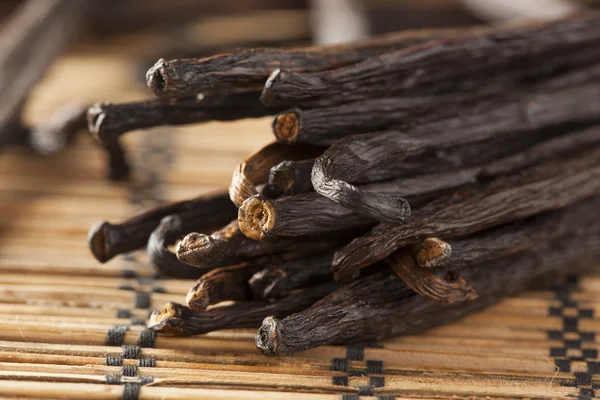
(73, 328)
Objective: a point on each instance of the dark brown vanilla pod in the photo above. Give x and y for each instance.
(107, 121)
(255, 169)
(450, 289)
(59, 130)
(278, 281)
(169, 230)
(542, 188)
(515, 237)
(388, 307)
(35, 34)
(107, 240)
(310, 213)
(247, 70)
(177, 320)
(382, 153)
(443, 66)
(222, 284)
(325, 125)
(229, 246)
(291, 177)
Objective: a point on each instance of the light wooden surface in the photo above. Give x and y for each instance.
(57, 303)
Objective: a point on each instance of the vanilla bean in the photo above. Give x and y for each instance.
(388, 307)
(450, 289)
(461, 64)
(229, 246)
(36, 33)
(539, 189)
(325, 125)
(278, 281)
(59, 130)
(291, 177)
(118, 164)
(108, 121)
(247, 70)
(310, 213)
(177, 320)
(107, 240)
(221, 284)
(255, 169)
(382, 152)
(169, 230)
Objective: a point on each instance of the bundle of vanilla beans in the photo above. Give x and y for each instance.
(415, 177)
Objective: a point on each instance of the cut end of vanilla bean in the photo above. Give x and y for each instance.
(281, 177)
(256, 217)
(193, 249)
(285, 126)
(432, 252)
(268, 340)
(162, 78)
(95, 116)
(99, 239)
(197, 298)
(165, 320)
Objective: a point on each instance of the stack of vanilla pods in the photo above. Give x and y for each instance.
(416, 177)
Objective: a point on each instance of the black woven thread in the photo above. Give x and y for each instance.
(137, 321)
(113, 361)
(147, 338)
(131, 391)
(123, 313)
(373, 367)
(130, 370)
(571, 326)
(113, 379)
(141, 300)
(130, 352)
(116, 335)
(126, 287)
(146, 362)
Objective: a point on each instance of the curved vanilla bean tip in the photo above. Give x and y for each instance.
(256, 217)
(268, 339)
(241, 186)
(266, 284)
(162, 79)
(194, 249)
(451, 289)
(95, 116)
(166, 319)
(384, 208)
(100, 239)
(286, 126)
(197, 297)
(432, 252)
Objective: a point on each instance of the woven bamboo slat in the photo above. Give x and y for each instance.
(72, 327)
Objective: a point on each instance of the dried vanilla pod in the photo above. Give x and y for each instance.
(454, 65)
(538, 189)
(107, 240)
(229, 246)
(107, 121)
(325, 125)
(59, 130)
(247, 70)
(450, 289)
(255, 169)
(279, 280)
(346, 160)
(35, 34)
(221, 284)
(291, 177)
(388, 307)
(177, 320)
(310, 213)
(431, 252)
